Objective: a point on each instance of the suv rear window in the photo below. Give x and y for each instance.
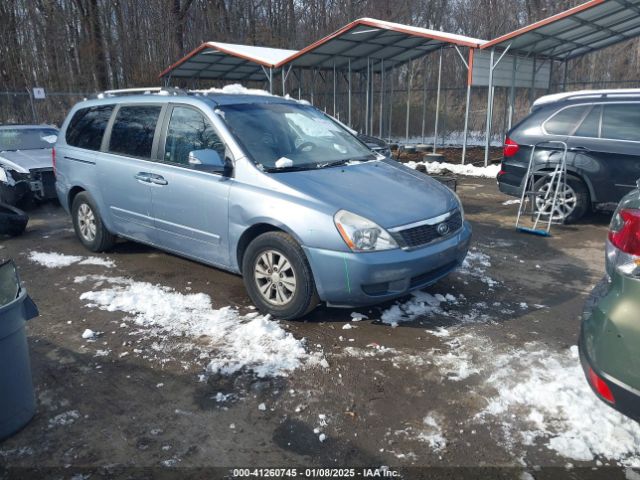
(621, 122)
(133, 130)
(565, 121)
(87, 127)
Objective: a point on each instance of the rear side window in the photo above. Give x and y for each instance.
(590, 126)
(621, 122)
(565, 121)
(87, 127)
(133, 130)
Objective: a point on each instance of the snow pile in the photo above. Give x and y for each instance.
(437, 168)
(59, 260)
(63, 419)
(432, 433)
(476, 264)
(456, 364)
(251, 342)
(236, 89)
(53, 260)
(422, 303)
(550, 393)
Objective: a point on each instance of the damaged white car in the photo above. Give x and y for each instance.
(26, 164)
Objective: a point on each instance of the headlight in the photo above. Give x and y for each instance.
(362, 235)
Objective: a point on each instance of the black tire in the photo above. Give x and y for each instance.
(303, 299)
(102, 239)
(582, 199)
(13, 221)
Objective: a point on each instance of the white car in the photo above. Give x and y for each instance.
(26, 163)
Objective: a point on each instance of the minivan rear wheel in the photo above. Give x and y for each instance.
(88, 225)
(278, 277)
(572, 203)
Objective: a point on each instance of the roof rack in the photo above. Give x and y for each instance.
(141, 91)
(566, 96)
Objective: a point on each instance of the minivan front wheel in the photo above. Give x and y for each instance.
(278, 277)
(88, 225)
(572, 202)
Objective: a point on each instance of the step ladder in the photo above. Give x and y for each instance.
(542, 204)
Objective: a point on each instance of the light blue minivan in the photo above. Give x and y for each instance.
(262, 186)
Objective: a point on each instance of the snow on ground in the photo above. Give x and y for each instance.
(437, 168)
(59, 260)
(233, 342)
(53, 260)
(548, 392)
(476, 264)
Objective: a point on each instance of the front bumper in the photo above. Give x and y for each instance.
(345, 279)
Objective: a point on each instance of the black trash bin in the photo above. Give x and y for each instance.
(17, 400)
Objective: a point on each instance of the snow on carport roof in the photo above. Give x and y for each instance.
(580, 30)
(375, 39)
(228, 61)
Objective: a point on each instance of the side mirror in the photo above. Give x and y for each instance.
(207, 160)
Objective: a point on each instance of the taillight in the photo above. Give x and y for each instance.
(53, 160)
(600, 386)
(510, 148)
(625, 232)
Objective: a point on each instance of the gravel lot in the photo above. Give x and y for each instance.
(477, 371)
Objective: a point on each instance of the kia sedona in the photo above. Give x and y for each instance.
(265, 187)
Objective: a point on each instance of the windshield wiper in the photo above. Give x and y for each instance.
(292, 168)
(337, 163)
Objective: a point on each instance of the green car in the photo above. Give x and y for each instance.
(610, 335)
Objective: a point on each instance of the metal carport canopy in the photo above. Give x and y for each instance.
(227, 61)
(575, 32)
(368, 38)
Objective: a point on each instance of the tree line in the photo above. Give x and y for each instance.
(89, 45)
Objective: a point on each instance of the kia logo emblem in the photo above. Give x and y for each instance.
(443, 229)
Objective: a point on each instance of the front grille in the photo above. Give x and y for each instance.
(425, 234)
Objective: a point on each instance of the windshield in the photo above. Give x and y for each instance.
(27, 138)
(282, 136)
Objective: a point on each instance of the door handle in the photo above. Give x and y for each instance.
(142, 177)
(157, 179)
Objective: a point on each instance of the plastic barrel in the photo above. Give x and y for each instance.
(17, 399)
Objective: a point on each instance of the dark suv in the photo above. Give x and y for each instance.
(602, 132)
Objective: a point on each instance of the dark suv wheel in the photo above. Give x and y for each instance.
(88, 225)
(572, 203)
(278, 277)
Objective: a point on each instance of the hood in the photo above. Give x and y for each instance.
(22, 161)
(387, 193)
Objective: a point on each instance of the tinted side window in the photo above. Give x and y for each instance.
(133, 130)
(87, 127)
(591, 124)
(621, 122)
(189, 130)
(565, 121)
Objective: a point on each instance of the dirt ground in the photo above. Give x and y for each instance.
(115, 406)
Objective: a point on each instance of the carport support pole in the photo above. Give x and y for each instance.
(489, 109)
(381, 95)
(409, 78)
(435, 132)
(390, 100)
(424, 98)
(564, 77)
(334, 89)
(270, 80)
(349, 82)
(366, 109)
(467, 107)
(512, 96)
